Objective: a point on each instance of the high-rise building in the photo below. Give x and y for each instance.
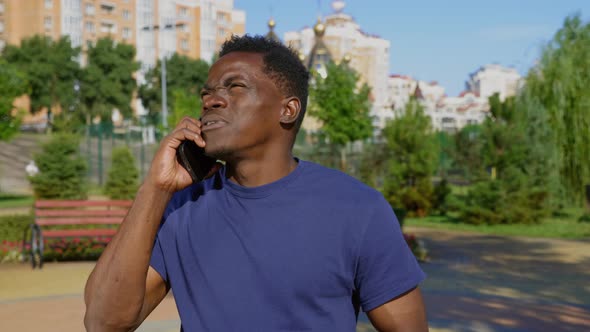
(342, 39)
(195, 28)
(157, 28)
(490, 79)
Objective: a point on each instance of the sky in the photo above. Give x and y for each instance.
(435, 40)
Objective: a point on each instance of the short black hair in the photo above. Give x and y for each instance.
(281, 64)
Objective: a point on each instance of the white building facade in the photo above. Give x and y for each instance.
(367, 54)
(446, 113)
(493, 78)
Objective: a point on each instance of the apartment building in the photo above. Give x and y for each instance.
(195, 28)
(344, 40)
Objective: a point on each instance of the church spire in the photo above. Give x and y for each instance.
(271, 35)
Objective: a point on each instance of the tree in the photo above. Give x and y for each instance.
(466, 153)
(413, 155)
(341, 106)
(12, 85)
(516, 153)
(62, 171)
(184, 105)
(182, 74)
(560, 82)
(107, 80)
(51, 69)
(123, 175)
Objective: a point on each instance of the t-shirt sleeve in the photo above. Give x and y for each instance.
(157, 260)
(386, 266)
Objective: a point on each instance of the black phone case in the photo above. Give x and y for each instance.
(192, 157)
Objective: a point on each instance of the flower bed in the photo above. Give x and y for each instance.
(56, 250)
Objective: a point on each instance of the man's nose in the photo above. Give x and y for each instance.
(214, 101)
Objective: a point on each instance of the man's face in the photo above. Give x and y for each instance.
(241, 107)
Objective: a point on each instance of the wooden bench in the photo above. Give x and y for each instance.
(80, 213)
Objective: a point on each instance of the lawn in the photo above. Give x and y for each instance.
(566, 226)
(15, 201)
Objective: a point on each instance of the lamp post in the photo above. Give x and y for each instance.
(163, 71)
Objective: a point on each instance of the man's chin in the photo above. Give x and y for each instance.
(217, 152)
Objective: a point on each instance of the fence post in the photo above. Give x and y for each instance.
(100, 153)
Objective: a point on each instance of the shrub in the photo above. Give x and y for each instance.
(61, 170)
(123, 175)
(440, 197)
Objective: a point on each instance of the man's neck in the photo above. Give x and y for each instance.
(254, 173)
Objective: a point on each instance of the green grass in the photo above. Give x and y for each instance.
(15, 201)
(566, 226)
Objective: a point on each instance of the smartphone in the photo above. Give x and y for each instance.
(192, 157)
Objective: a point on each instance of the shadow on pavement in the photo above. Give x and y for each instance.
(491, 283)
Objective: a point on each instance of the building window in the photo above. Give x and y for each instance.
(48, 4)
(90, 27)
(184, 44)
(1, 8)
(221, 18)
(126, 14)
(107, 7)
(89, 9)
(47, 22)
(108, 27)
(221, 32)
(2, 44)
(183, 12)
(126, 33)
(185, 28)
(1, 26)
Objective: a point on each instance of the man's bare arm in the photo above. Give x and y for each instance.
(118, 286)
(405, 313)
(123, 289)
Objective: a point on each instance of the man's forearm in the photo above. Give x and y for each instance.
(115, 290)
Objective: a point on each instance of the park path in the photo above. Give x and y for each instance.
(475, 283)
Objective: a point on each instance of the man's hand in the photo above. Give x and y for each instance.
(165, 172)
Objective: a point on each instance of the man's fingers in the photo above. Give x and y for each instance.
(187, 129)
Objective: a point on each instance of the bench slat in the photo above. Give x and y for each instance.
(79, 232)
(78, 221)
(80, 203)
(81, 213)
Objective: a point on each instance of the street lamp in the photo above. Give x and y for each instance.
(163, 71)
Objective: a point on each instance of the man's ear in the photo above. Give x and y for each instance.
(290, 110)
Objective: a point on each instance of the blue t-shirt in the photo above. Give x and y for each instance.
(299, 254)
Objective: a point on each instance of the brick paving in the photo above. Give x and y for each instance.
(475, 283)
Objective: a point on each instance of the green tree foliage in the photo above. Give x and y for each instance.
(413, 154)
(123, 175)
(12, 85)
(184, 105)
(182, 74)
(51, 69)
(341, 106)
(466, 152)
(107, 80)
(517, 185)
(62, 171)
(560, 82)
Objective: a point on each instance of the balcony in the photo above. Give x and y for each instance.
(108, 27)
(107, 7)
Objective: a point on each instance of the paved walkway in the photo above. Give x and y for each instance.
(475, 283)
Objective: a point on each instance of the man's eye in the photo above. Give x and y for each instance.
(236, 85)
